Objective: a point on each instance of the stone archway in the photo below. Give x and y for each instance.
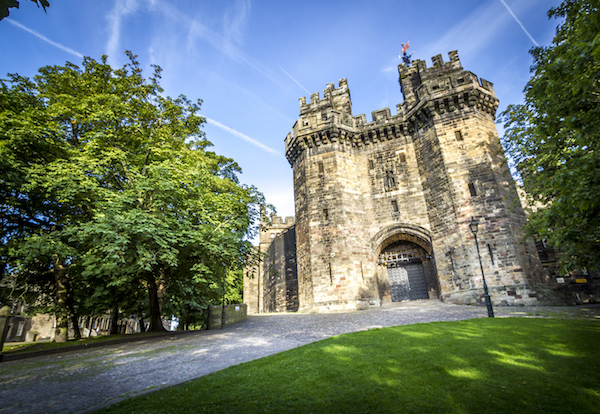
(406, 264)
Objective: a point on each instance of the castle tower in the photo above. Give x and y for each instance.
(382, 207)
(271, 285)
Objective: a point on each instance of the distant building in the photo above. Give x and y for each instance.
(41, 327)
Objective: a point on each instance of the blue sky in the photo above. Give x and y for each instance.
(250, 61)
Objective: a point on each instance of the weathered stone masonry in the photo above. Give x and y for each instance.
(272, 284)
(383, 207)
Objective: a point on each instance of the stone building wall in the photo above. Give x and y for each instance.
(272, 284)
(411, 179)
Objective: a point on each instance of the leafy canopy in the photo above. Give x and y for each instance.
(7, 4)
(554, 137)
(109, 194)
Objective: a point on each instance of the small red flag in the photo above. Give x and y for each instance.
(405, 46)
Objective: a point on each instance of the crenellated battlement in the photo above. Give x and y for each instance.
(335, 99)
(418, 82)
(427, 91)
(278, 221)
(274, 227)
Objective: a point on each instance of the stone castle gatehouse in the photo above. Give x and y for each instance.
(383, 207)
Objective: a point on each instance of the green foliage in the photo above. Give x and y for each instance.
(110, 194)
(480, 365)
(235, 287)
(7, 4)
(553, 138)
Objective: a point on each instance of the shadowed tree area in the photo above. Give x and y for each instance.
(474, 366)
(110, 200)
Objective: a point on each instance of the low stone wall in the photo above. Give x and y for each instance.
(233, 314)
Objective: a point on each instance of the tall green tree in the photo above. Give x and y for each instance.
(554, 137)
(5, 5)
(128, 202)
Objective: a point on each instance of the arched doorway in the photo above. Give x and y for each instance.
(405, 270)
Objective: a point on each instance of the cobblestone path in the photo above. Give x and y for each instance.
(83, 381)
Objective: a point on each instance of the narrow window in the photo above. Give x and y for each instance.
(491, 252)
(458, 135)
(402, 157)
(395, 206)
(472, 190)
(371, 166)
(321, 168)
(325, 214)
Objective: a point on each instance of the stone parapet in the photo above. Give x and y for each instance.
(428, 92)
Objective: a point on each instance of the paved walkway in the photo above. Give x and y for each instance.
(85, 380)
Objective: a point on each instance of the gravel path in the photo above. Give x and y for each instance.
(83, 381)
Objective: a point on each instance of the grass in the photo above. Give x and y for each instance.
(481, 365)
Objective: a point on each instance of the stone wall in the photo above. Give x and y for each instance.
(272, 284)
(422, 173)
(279, 274)
(233, 314)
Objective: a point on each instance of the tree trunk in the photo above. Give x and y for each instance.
(114, 320)
(75, 323)
(155, 320)
(141, 319)
(62, 318)
(72, 312)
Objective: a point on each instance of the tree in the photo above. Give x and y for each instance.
(7, 4)
(554, 137)
(114, 195)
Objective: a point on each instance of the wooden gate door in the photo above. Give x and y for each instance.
(399, 287)
(416, 281)
(405, 271)
(407, 281)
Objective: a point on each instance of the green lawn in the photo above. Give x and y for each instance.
(476, 366)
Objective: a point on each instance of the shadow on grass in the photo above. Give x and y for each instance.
(481, 365)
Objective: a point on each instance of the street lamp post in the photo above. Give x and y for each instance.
(474, 224)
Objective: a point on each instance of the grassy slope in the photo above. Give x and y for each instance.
(475, 366)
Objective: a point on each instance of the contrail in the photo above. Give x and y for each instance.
(292, 78)
(243, 136)
(44, 38)
(520, 24)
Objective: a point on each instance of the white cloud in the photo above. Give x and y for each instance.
(472, 34)
(44, 38)
(225, 43)
(519, 22)
(244, 137)
(294, 79)
(235, 20)
(122, 9)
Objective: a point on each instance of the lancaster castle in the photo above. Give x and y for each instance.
(383, 206)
